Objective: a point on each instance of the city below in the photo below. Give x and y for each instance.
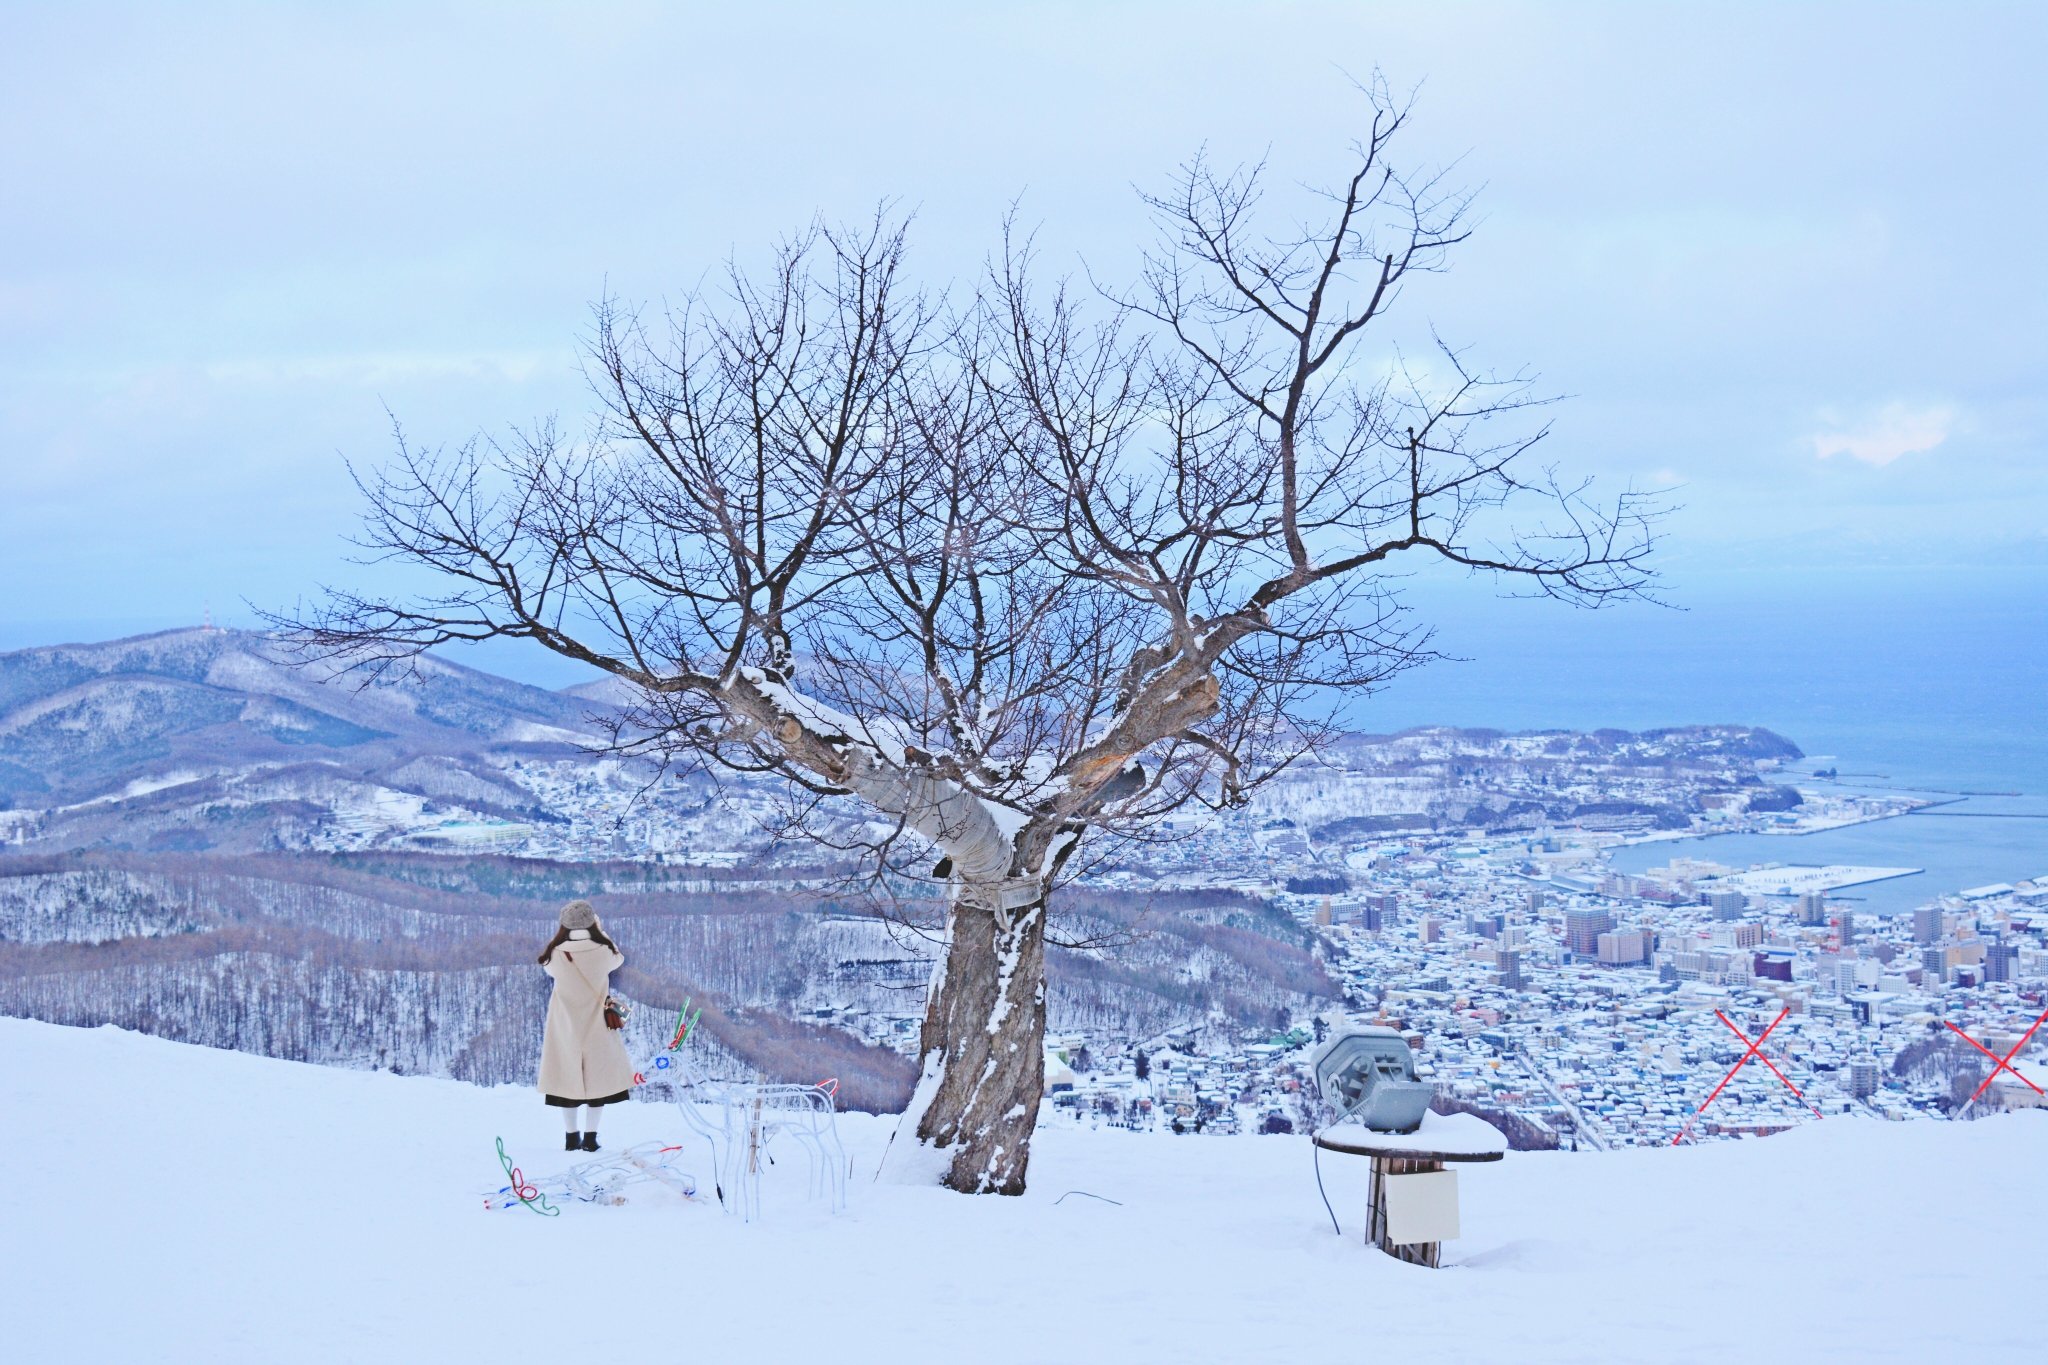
(1599, 1009)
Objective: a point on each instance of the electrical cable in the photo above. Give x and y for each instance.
(1104, 1198)
(716, 1184)
(1316, 1148)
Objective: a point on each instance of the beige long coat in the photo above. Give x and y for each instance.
(581, 1059)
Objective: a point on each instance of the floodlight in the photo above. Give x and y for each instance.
(1368, 1074)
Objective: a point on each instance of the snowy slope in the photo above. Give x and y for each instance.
(173, 1203)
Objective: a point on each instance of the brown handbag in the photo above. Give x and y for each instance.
(614, 1013)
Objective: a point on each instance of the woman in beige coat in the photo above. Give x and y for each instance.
(582, 1063)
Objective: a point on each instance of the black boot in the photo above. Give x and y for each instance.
(590, 1142)
(573, 1142)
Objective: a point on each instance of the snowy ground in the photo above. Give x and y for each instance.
(172, 1203)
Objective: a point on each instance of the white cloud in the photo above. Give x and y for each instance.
(1895, 430)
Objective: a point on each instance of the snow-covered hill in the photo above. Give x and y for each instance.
(418, 963)
(214, 739)
(174, 1203)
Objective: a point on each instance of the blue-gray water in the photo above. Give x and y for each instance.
(1933, 681)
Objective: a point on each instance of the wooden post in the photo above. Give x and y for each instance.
(1415, 1253)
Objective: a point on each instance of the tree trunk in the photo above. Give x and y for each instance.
(982, 1050)
(984, 1043)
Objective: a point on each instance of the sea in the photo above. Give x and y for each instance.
(1930, 682)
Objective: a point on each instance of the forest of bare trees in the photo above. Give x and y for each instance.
(423, 964)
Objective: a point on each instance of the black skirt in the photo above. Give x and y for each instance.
(560, 1103)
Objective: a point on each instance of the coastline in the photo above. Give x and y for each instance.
(1954, 853)
(1818, 825)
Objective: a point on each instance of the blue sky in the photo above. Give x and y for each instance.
(1784, 259)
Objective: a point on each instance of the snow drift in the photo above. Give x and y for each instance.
(175, 1203)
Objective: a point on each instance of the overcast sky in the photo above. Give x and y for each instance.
(1783, 258)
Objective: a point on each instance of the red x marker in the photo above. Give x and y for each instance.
(2005, 1062)
(1754, 1051)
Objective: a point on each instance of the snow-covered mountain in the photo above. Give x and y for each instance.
(213, 696)
(213, 740)
(182, 1204)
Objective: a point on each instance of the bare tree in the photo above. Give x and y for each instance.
(1010, 575)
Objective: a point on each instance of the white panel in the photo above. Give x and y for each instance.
(1422, 1207)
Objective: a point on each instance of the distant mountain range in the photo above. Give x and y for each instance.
(84, 721)
(214, 739)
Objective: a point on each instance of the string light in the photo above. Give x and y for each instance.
(523, 1189)
(593, 1182)
(686, 1024)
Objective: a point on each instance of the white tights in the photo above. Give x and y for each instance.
(589, 1124)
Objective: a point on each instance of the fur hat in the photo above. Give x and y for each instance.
(578, 915)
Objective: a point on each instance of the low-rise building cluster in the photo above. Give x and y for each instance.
(1594, 1008)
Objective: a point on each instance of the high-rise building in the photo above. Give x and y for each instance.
(1813, 907)
(1727, 904)
(1845, 928)
(1431, 930)
(1934, 962)
(1692, 966)
(1862, 1078)
(1749, 935)
(1582, 930)
(1927, 924)
(1620, 947)
(1999, 957)
(1510, 970)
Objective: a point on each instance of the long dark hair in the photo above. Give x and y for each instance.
(597, 935)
